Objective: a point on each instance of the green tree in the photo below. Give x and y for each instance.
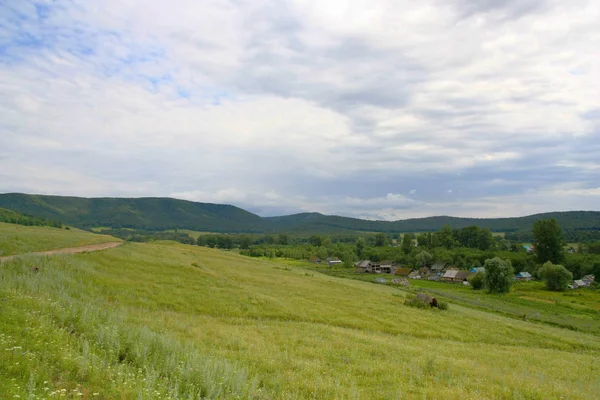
(557, 277)
(477, 280)
(548, 241)
(380, 240)
(245, 242)
(360, 247)
(348, 259)
(316, 240)
(423, 258)
(425, 240)
(283, 239)
(499, 275)
(407, 241)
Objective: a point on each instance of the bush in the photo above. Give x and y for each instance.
(499, 275)
(412, 301)
(477, 281)
(556, 276)
(422, 301)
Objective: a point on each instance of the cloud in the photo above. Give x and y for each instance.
(336, 107)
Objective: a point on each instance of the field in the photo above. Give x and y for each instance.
(164, 320)
(573, 309)
(18, 239)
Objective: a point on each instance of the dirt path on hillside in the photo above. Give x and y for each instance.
(70, 250)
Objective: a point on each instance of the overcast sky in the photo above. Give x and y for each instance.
(373, 109)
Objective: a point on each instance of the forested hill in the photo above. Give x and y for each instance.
(313, 222)
(167, 213)
(140, 213)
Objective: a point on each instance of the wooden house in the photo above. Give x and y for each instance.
(403, 271)
(462, 276)
(450, 275)
(363, 266)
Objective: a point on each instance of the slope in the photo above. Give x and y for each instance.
(157, 320)
(16, 239)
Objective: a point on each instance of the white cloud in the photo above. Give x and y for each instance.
(304, 105)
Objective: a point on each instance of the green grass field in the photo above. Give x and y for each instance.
(573, 309)
(164, 320)
(18, 239)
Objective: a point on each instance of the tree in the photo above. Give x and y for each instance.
(283, 239)
(407, 241)
(499, 275)
(477, 280)
(245, 242)
(557, 277)
(548, 241)
(316, 240)
(348, 259)
(425, 240)
(360, 247)
(380, 240)
(423, 258)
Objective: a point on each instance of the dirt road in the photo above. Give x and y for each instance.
(70, 250)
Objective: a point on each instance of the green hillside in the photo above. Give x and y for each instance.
(313, 222)
(166, 213)
(165, 321)
(17, 239)
(139, 213)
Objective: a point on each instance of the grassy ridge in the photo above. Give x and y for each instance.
(17, 239)
(267, 328)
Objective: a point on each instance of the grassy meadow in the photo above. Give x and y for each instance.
(572, 309)
(164, 320)
(18, 239)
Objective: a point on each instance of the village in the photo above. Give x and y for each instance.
(439, 272)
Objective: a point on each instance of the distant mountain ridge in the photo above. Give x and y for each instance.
(160, 213)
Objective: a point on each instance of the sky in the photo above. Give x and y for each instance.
(373, 109)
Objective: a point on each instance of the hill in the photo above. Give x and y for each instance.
(163, 320)
(139, 213)
(167, 213)
(314, 222)
(16, 239)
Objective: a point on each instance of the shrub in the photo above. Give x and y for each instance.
(556, 276)
(477, 281)
(442, 305)
(412, 301)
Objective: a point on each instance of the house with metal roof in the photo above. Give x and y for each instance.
(523, 276)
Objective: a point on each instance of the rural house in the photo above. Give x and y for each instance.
(414, 274)
(523, 276)
(579, 283)
(363, 266)
(333, 261)
(450, 275)
(477, 269)
(423, 271)
(314, 260)
(588, 279)
(438, 267)
(387, 267)
(462, 277)
(403, 271)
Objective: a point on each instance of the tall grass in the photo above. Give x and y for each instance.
(18, 239)
(72, 336)
(171, 321)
